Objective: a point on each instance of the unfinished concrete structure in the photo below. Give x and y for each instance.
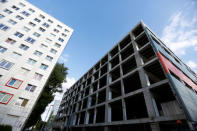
(138, 85)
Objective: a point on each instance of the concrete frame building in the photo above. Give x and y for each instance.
(139, 85)
(31, 43)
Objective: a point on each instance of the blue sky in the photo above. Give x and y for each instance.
(99, 25)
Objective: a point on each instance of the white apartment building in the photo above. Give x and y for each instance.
(31, 42)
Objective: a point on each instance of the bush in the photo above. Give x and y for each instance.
(5, 128)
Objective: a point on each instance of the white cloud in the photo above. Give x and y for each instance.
(181, 32)
(69, 82)
(63, 58)
(58, 96)
(192, 64)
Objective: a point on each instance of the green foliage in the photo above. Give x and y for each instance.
(5, 128)
(53, 85)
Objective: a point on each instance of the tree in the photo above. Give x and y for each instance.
(53, 85)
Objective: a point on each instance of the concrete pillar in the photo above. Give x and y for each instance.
(155, 127)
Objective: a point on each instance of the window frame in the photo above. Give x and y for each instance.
(9, 98)
(12, 86)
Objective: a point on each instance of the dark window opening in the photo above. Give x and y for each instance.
(100, 115)
(127, 52)
(88, 81)
(87, 91)
(116, 111)
(147, 54)
(85, 101)
(115, 61)
(138, 30)
(142, 40)
(97, 66)
(114, 51)
(103, 82)
(129, 65)
(93, 100)
(125, 42)
(101, 96)
(91, 116)
(115, 89)
(137, 111)
(154, 72)
(104, 70)
(115, 74)
(104, 60)
(132, 83)
(166, 106)
(96, 75)
(82, 118)
(95, 86)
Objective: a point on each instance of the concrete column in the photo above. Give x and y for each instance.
(155, 127)
(149, 104)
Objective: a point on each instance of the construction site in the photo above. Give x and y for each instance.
(139, 85)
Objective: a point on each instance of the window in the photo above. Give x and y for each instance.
(1, 16)
(53, 51)
(2, 49)
(41, 16)
(45, 25)
(64, 35)
(30, 88)
(32, 24)
(21, 102)
(38, 53)
(6, 64)
(59, 26)
(66, 30)
(19, 17)
(31, 10)
(53, 35)
(12, 22)
(26, 29)
(24, 71)
(15, 8)
(37, 20)
(23, 47)
(36, 34)
(61, 40)
(10, 41)
(25, 13)
(43, 66)
(50, 21)
(18, 34)
(55, 30)
(37, 76)
(5, 97)
(57, 45)
(43, 46)
(31, 61)
(48, 40)
(49, 58)
(14, 83)
(15, 55)
(21, 4)
(8, 11)
(4, 27)
(41, 29)
(30, 40)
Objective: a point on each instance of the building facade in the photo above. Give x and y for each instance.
(139, 85)
(31, 42)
